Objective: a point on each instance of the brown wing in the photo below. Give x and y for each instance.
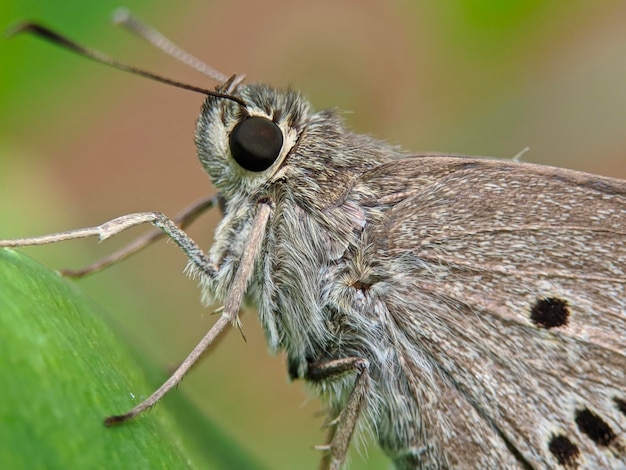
(511, 279)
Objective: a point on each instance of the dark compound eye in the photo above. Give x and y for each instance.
(255, 143)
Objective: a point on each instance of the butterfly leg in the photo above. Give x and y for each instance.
(232, 302)
(197, 257)
(120, 224)
(183, 219)
(344, 425)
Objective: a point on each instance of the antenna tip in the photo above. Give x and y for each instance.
(120, 15)
(17, 29)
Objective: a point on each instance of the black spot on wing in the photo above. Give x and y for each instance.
(594, 427)
(620, 405)
(550, 312)
(564, 450)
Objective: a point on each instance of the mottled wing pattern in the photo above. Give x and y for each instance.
(511, 279)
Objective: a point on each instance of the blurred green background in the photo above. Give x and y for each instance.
(80, 144)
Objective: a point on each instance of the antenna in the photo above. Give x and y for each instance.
(123, 17)
(97, 56)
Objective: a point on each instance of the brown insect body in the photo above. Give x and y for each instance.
(442, 274)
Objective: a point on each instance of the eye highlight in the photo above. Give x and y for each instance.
(255, 143)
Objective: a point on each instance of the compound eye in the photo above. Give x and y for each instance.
(255, 143)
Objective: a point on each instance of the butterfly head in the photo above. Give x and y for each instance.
(243, 146)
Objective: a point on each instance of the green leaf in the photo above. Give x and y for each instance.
(62, 371)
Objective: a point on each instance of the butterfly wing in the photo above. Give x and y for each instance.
(508, 283)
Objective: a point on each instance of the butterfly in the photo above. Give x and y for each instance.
(467, 312)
